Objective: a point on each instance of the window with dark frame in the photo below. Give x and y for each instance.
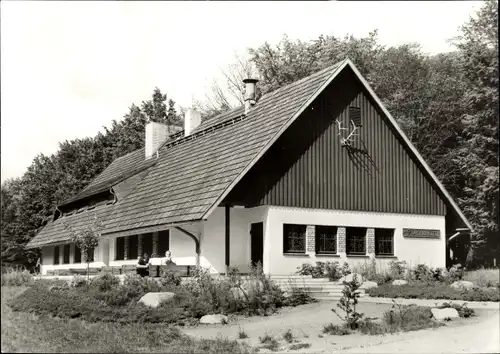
(163, 242)
(133, 246)
(66, 254)
(78, 255)
(120, 249)
(56, 255)
(326, 239)
(384, 242)
(294, 238)
(147, 244)
(355, 240)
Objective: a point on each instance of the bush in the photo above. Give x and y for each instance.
(408, 318)
(483, 277)
(78, 281)
(433, 290)
(104, 282)
(367, 326)
(336, 330)
(456, 272)
(397, 269)
(14, 277)
(331, 270)
(423, 273)
(348, 302)
(170, 278)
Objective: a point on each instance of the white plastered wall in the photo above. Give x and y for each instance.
(411, 250)
(100, 255)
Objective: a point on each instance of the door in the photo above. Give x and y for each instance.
(257, 243)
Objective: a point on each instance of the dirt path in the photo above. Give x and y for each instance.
(478, 334)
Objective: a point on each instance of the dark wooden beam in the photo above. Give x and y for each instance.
(227, 237)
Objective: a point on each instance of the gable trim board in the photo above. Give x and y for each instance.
(346, 62)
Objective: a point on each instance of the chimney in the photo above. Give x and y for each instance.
(250, 93)
(192, 120)
(156, 134)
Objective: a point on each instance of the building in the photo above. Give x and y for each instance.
(315, 171)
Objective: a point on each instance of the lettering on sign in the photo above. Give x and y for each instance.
(421, 233)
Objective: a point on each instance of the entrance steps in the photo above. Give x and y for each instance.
(319, 288)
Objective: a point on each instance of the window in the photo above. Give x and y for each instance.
(66, 254)
(326, 239)
(78, 254)
(355, 115)
(384, 242)
(133, 247)
(355, 240)
(120, 248)
(294, 238)
(163, 242)
(147, 244)
(56, 254)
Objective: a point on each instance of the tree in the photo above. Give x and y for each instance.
(478, 154)
(86, 239)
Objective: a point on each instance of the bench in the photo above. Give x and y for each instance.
(73, 271)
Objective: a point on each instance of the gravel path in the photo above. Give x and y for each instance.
(477, 334)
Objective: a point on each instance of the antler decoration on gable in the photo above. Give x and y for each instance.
(350, 138)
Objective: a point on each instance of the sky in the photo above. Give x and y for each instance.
(70, 68)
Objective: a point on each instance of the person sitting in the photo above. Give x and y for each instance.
(168, 257)
(142, 267)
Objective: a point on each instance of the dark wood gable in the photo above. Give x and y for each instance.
(307, 166)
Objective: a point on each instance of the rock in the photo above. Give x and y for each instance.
(399, 282)
(441, 314)
(155, 299)
(463, 284)
(213, 319)
(368, 285)
(349, 277)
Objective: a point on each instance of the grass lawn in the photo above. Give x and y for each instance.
(483, 277)
(23, 332)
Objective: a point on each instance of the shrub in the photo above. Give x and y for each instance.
(408, 317)
(483, 277)
(336, 330)
(423, 273)
(397, 269)
(367, 326)
(269, 342)
(15, 277)
(433, 290)
(136, 285)
(332, 270)
(348, 302)
(299, 346)
(104, 282)
(170, 278)
(463, 310)
(78, 281)
(298, 297)
(456, 272)
(242, 334)
(288, 336)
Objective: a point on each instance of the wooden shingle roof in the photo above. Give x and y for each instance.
(191, 174)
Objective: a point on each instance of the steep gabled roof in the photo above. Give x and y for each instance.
(192, 175)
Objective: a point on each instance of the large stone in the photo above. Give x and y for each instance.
(441, 314)
(368, 285)
(399, 282)
(463, 285)
(213, 319)
(155, 299)
(349, 277)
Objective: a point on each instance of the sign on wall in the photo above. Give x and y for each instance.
(421, 233)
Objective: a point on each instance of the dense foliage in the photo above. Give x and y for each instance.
(106, 299)
(447, 104)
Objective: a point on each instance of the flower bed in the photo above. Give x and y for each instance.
(435, 290)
